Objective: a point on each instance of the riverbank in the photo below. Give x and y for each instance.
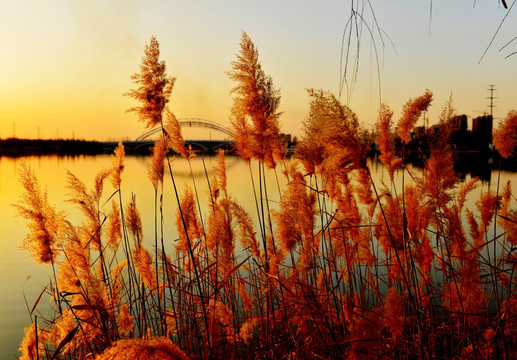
(14, 147)
(479, 163)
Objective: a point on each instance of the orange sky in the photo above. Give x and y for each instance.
(65, 65)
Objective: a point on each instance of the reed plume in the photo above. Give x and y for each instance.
(410, 114)
(415, 228)
(390, 230)
(46, 224)
(296, 217)
(118, 165)
(192, 229)
(88, 203)
(386, 140)
(157, 169)
(364, 191)
(32, 343)
(154, 86)
(114, 230)
(125, 320)
(173, 132)
(332, 141)
(464, 296)
(394, 313)
(439, 177)
(505, 135)
(487, 205)
(221, 322)
(345, 269)
(64, 326)
(220, 238)
(255, 107)
(465, 189)
(99, 184)
(117, 285)
(220, 173)
(144, 264)
(140, 349)
(247, 329)
(365, 332)
(245, 229)
(507, 217)
(76, 269)
(134, 222)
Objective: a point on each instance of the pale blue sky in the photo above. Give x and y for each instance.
(65, 64)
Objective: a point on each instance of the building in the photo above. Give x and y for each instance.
(459, 123)
(482, 128)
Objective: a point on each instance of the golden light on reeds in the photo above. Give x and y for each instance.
(246, 230)
(191, 219)
(153, 349)
(255, 107)
(118, 166)
(296, 217)
(439, 175)
(125, 320)
(173, 133)
(157, 169)
(394, 313)
(386, 140)
(114, 232)
(247, 329)
(134, 222)
(508, 216)
(332, 141)
(221, 322)
(505, 135)
(144, 265)
(410, 114)
(64, 326)
(88, 203)
(337, 266)
(46, 224)
(154, 86)
(30, 348)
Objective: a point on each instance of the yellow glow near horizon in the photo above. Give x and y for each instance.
(64, 67)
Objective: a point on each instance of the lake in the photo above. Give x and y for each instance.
(20, 276)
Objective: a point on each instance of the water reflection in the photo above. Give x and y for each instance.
(475, 164)
(19, 273)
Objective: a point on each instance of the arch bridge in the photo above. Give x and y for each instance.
(190, 122)
(143, 143)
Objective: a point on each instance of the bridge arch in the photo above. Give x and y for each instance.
(190, 122)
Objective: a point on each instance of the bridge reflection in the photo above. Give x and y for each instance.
(145, 147)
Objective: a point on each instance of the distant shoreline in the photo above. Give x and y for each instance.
(15, 147)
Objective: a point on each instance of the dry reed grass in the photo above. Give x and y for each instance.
(343, 268)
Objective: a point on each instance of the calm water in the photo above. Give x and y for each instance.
(18, 273)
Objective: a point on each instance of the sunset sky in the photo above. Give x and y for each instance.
(64, 65)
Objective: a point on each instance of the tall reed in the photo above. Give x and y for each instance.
(344, 266)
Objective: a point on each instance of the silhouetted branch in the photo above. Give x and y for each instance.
(498, 28)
